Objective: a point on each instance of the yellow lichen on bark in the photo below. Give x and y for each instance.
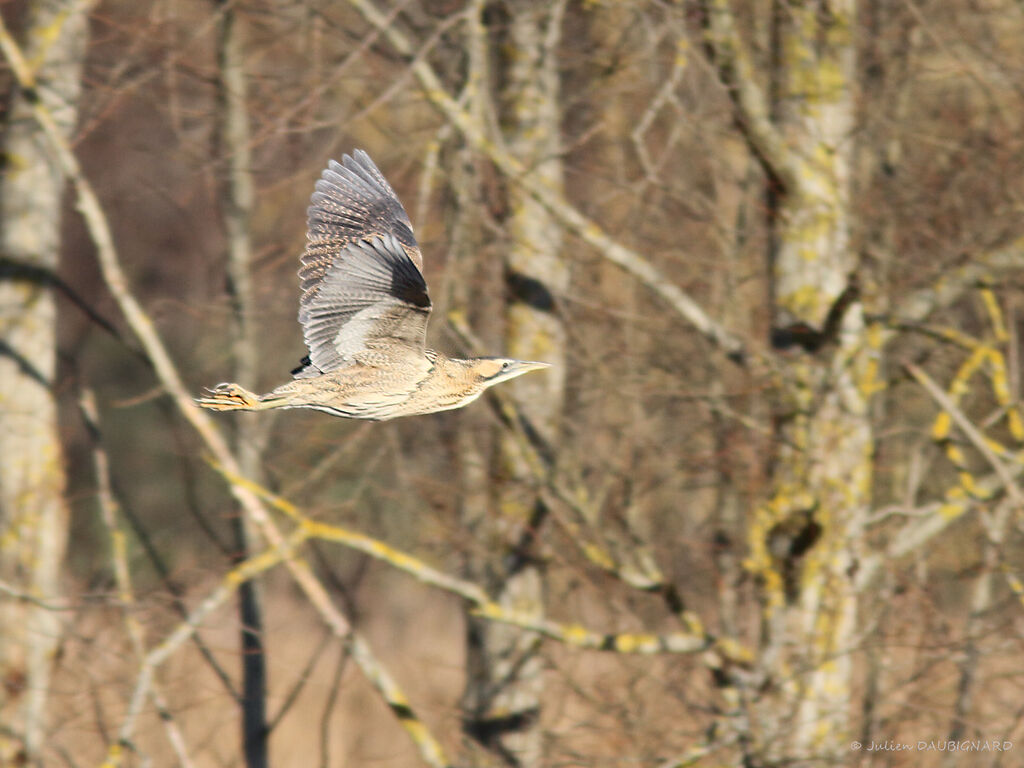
(805, 539)
(33, 515)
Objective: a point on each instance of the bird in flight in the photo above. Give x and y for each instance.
(364, 312)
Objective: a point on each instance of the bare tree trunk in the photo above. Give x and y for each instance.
(33, 516)
(506, 683)
(805, 540)
(237, 205)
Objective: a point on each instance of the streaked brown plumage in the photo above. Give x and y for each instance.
(364, 312)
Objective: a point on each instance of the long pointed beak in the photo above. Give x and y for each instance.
(523, 366)
(518, 368)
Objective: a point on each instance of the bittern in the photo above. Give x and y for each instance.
(364, 312)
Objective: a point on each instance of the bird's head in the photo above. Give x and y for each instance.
(494, 370)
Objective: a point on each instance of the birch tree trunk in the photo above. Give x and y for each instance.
(805, 541)
(33, 516)
(506, 682)
(237, 202)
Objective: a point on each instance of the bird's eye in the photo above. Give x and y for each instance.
(504, 366)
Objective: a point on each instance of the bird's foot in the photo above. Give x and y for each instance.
(229, 397)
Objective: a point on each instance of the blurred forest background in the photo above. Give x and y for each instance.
(766, 504)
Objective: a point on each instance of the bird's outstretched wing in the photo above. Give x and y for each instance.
(361, 276)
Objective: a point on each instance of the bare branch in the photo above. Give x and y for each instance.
(736, 70)
(19, 594)
(973, 434)
(665, 95)
(122, 574)
(99, 230)
(554, 201)
(981, 268)
(241, 573)
(571, 634)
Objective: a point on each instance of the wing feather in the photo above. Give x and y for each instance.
(361, 276)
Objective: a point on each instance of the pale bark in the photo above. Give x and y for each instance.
(506, 684)
(237, 202)
(825, 466)
(33, 516)
(553, 200)
(806, 538)
(167, 373)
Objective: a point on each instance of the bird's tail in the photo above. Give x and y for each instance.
(232, 397)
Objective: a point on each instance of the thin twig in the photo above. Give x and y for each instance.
(736, 70)
(13, 592)
(977, 439)
(303, 677)
(157, 655)
(570, 634)
(122, 573)
(550, 198)
(99, 230)
(332, 699)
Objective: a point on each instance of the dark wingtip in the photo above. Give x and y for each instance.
(305, 369)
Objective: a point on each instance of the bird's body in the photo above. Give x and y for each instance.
(380, 390)
(364, 312)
